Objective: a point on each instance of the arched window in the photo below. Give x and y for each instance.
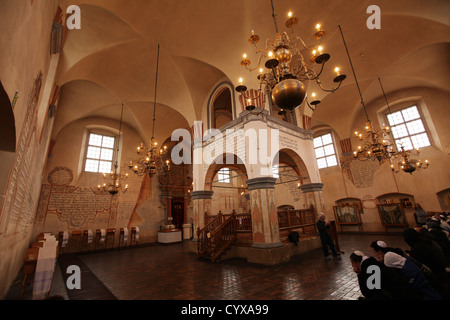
(222, 112)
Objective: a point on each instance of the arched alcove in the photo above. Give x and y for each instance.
(7, 123)
(228, 181)
(8, 140)
(221, 108)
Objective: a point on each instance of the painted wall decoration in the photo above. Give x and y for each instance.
(67, 207)
(361, 173)
(392, 215)
(18, 212)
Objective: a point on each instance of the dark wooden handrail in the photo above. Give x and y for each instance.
(297, 219)
(223, 237)
(220, 233)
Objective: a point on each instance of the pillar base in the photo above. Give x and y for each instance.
(267, 245)
(268, 256)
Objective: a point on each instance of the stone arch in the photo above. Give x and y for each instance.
(214, 167)
(222, 90)
(293, 159)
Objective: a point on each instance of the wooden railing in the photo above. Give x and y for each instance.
(303, 221)
(221, 230)
(223, 237)
(204, 235)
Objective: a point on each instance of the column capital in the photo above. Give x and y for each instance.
(261, 183)
(202, 194)
(311, 187)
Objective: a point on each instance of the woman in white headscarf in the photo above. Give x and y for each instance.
(412, 274)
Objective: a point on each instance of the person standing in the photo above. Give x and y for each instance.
(420, 215)
(325, 238)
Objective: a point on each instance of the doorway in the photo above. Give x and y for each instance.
(178, 212)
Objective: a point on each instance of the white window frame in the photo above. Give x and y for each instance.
(329, 162)
(224, 175)
(113, 149)
(408, 127)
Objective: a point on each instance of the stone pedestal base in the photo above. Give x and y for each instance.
(268, 256)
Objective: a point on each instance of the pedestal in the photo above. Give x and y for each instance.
(169, 236)
(187, 234)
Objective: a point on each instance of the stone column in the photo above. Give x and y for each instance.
(201, 201)
(314, 196)
(266, 232)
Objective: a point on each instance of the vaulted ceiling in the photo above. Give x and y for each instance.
(112, 58)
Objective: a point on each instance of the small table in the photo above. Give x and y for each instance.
(169, 236)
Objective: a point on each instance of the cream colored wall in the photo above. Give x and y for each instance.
(24, 52)
(286, 189)
(423, 185)
(68, 151)
(226, 196)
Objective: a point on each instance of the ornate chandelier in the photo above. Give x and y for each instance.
(150, 160)
(150, 157)
(407, 164)
(287, 66)
(376, 145)
(115, 183)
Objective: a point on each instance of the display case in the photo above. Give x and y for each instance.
(348, 215)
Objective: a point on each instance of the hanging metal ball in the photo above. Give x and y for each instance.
(289, 94)
(283, 55)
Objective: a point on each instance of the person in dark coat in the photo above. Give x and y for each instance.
(392, 286)
(429, 253)
(325, 238)
(420, 215)
(425, 250)
(380, 248)
(412, 274)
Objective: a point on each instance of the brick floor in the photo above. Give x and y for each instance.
(163, 272)
(171, 272)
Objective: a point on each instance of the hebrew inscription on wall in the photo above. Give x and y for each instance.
(23, 186)
(362, 173)
(81, 207)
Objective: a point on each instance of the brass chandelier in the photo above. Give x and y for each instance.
(287, 66)
(376, 145)
(151, 159)
(116, 179)
(407, 164)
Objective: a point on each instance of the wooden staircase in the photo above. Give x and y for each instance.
(216, 238)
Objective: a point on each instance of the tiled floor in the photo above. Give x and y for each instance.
(170, 272)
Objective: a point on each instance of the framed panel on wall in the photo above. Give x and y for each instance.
(348, 214)
(392, 215)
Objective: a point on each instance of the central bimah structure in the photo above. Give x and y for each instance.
(253, 144)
